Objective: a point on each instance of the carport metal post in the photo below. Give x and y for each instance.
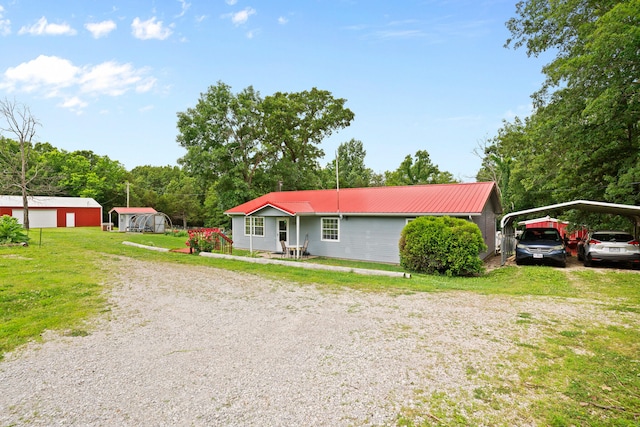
(507, 246)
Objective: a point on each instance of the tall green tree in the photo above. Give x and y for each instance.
(244, 145)
(147, 185)
(182, 198)
(582, 140)
(352, 171)
(418, 170)
(212, 210)
(225, 145)
(295, 124)
(83, 173)
(509, 159)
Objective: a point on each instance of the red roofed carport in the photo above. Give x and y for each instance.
(508, 232)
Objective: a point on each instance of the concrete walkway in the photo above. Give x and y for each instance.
(296, 264)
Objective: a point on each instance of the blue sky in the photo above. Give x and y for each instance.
(419, 75)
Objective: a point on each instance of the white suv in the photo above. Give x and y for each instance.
(613, 246)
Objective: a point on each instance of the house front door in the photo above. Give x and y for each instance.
(283, 232)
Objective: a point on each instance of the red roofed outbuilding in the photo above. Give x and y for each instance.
(359, 223)
(52, 212)
(126, 216)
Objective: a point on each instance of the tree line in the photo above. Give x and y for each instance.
(580, 142)
(239, 146)
(582, 139)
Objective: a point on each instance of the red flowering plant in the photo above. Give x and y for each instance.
(206, 240)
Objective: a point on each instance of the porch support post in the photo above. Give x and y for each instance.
(250, 234)
(297, 237)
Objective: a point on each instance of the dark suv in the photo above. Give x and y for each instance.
(541, 246)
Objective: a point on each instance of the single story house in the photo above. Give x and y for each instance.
(52, 212)
(127, 218)
(359, 223)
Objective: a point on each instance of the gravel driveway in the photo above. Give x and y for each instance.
(186, 345)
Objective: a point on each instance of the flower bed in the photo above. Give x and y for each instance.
(209, 240)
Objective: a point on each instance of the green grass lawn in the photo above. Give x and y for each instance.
(583, 375)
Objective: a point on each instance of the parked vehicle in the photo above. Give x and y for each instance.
(612, 246)
(541, 246)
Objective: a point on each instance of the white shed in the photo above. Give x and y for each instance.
(126, 217)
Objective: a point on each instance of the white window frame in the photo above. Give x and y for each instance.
(248, 224)
(337, 229)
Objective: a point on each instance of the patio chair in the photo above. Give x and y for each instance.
(285, 250)
(304, 251)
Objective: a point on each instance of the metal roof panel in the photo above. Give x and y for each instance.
(468, 198)
(49, 202)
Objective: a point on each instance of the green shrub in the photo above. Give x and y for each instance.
(442, 245)
(11, 231)
(176, 233)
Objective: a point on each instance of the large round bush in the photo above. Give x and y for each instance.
(442, 245)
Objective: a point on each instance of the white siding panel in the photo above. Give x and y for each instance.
(38, 218)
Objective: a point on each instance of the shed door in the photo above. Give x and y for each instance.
(38, 218)
(71, 219)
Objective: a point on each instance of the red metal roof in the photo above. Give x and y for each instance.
(469, 198)
(134, 211)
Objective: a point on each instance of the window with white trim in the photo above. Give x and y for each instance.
(331, 229)
(258, 225)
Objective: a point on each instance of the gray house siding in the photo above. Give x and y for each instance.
(361, 238)
(364, 238)
(487, 224)
(258, 243)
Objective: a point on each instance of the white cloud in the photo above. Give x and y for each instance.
(242, 17)
(100, 29)
(400, 34)
(43, 27)
(74, 104)
(145, 84)
(114, 79)
(185, 7)
(150, 29)
(47, 73)
(5, 24)
(55, 77)
(231, 2)
(282, 20)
